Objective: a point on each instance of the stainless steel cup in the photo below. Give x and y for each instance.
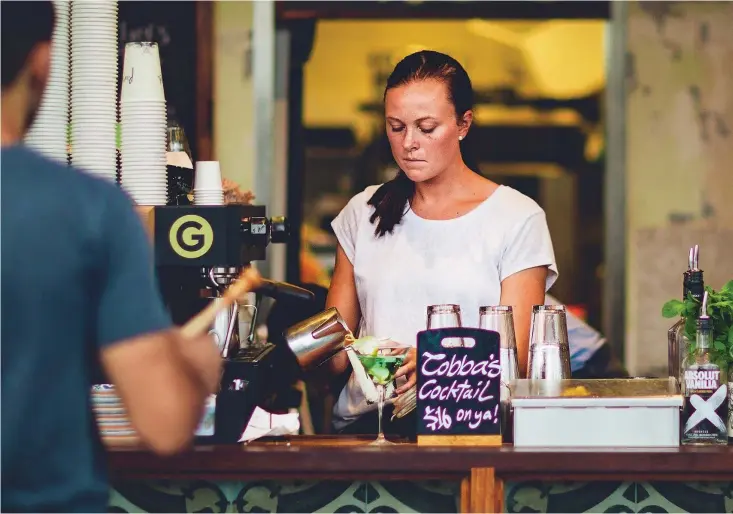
(318, 338)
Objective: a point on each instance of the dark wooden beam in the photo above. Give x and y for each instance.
(447, 10)
(204, 79)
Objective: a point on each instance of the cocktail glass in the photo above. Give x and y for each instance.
(381, 361)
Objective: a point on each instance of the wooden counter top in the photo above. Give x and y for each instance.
(350, 458)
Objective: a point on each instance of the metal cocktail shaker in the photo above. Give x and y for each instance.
(318, 338)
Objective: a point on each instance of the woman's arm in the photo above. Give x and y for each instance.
(522, 291)
(342, 295)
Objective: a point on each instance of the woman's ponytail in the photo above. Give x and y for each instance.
(390, 203)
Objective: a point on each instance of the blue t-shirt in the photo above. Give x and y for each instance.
(77, 276)
(583, 340)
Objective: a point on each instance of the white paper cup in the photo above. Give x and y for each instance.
(145, 168)
(141, 74)
(138, 152)
(146, 113)
(208, 201)
(136, 102)
(90, 146)
(144, 179)
(132, 106)
(143, 108)
(152, 187)
(207, 175)
(144, 146)
(155, 175)
(150, 124)
(149, 188)
(150, 167)
(143, 136)
(132, 150)
(142, 199)
(154, 154)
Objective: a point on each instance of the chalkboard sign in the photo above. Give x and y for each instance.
(458, 388)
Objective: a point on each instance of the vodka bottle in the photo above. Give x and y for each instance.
(705, 412)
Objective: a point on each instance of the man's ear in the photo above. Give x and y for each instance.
(465, 123)
(39, 63)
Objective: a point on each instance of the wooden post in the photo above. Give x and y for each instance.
(466, 495)
(482, 492)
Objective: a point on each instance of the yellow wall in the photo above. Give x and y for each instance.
(233, 95)
(558, 58)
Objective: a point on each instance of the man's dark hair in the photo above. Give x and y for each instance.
(24, 25)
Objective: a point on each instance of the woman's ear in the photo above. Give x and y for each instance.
(465, 123)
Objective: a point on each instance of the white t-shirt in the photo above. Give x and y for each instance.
(427, 262)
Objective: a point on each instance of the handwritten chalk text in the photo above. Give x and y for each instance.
(438, 418)
(435, 364)
(455, 391)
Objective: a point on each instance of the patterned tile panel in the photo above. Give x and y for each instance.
(406, 496)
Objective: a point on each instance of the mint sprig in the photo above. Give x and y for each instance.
(720, 310)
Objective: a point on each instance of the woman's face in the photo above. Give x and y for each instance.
(422, 128)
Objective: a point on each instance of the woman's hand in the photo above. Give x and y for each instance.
(409, 370)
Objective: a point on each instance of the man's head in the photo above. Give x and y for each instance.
(26, 55)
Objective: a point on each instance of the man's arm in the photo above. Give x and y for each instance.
(163, 380)
(162, 377)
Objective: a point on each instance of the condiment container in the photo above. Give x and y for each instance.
(634, 412)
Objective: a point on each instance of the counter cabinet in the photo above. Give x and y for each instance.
(330, 474)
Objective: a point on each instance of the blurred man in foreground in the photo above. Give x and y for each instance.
(77, 290)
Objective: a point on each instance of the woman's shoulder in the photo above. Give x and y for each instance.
(364, 196)
(516, 206)
(360, 201)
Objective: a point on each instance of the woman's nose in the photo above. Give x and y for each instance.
(408, 143)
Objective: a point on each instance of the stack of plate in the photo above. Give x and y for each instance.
(114, 425)
(94, 86)
(48, 135)
(144, 125)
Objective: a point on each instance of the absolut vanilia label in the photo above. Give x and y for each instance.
(702, 379)
(705, 414)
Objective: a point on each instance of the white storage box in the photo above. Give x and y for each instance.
(634, 412)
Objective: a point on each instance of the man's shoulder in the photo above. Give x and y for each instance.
(36, 175)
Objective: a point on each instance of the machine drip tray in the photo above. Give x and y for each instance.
(254, 353)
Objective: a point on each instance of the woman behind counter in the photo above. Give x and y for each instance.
(437, 233)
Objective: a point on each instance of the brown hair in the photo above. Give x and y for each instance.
(389, 201)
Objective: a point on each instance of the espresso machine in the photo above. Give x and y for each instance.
(199, 251)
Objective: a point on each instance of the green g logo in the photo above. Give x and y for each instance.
(191, 236)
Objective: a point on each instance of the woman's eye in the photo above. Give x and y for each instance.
(427, 130)
(397, 129)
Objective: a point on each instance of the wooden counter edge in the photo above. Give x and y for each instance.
(481, 486)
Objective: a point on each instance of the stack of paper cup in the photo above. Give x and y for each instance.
(207, 189)
(47, 135)
(94, 86)
(144, 125)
